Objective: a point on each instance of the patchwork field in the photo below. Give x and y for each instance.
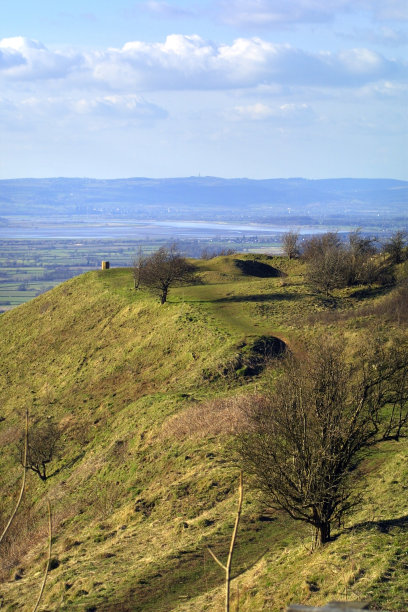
(30, 267)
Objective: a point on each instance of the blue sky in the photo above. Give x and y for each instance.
(233, 88)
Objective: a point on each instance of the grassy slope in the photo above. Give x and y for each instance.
(135, 509)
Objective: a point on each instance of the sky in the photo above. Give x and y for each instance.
(229, 88)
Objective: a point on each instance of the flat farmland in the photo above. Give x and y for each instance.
(30, 267)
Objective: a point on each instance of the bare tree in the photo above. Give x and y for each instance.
(325, 258)
(44, 443)
(290, 242)
(332, 264)
(361, 245)
(227, 566)
(326, 271)
(211, 252)
(316, 246)
(360, 267)
(164, 269)
(306, 439)
(138, 264)
(396, 247)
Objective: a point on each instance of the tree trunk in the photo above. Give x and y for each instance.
(322, 534)
(163, 297)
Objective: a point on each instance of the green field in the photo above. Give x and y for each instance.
(147, 477)
(31, 267)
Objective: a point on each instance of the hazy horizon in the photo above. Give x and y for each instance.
(208, 176)
(237, 88)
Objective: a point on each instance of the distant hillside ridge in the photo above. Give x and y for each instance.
(204, 197)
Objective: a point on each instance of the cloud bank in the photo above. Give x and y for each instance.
(191, 63)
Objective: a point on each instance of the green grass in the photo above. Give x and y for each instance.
(135, 509)
(44, 264)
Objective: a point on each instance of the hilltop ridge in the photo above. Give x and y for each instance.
(146, 479)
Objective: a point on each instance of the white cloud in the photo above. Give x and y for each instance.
(9, 58)
(128, 106)
(35, 61)
(389, 36)
(191, 63)
(383, 90)
(291, 112)
(111, 107)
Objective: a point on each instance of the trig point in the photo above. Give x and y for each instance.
(105, 265)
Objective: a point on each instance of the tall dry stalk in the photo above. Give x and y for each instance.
(49, 556)
(227, 566)
(20, 497)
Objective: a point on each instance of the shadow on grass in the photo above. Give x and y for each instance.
(383, 526)
(371, 292)
(256, 297)
(67, 465)
(257, 269)
(259, 297)
(189, 573)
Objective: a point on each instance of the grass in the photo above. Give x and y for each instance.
(30, 267)
(144, 485)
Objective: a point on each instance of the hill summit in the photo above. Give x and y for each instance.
(142, 397)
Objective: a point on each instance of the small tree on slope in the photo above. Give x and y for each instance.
(306, 439)
(164, 269)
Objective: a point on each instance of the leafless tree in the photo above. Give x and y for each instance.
(333, 264)
(361, 245)
(306, 439)
(44, 444)
(327, 271)
(290, 242)
(316, 246)
(164, 269)
(360, 266)
(138, 264)
(396, 247)
(211, 252)
(227, 566)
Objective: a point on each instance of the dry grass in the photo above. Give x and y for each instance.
(121, 365)
(392, 308)
(20, 539)
(216, 417)
(10, 436)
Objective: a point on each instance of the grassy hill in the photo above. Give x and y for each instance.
(146, 478)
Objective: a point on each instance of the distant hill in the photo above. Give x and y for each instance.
(208, 198)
